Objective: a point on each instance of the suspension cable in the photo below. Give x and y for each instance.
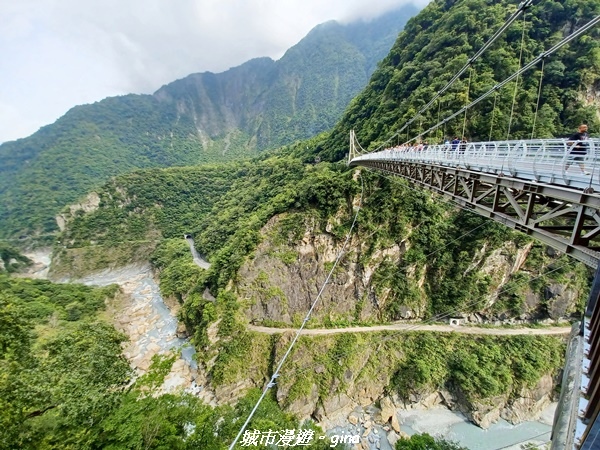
(537, 105)
(512, 108)
(438, 118)
(354, 142)
(521, 8)
(493, 114)
(276, 374)
(466, 102)
(506, 288)
(525, 68)
(444, 132)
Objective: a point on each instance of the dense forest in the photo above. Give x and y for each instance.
(440, 40)
(202, 118)
(65, 384)
(295, 193)
(11, 260)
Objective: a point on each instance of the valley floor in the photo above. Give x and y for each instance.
(151, 327)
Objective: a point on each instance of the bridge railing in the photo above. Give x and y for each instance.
(555, 161)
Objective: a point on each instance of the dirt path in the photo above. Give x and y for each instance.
(415, 327)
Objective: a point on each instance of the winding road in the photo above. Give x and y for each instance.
(198, 260)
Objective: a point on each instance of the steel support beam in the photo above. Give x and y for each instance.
(558, 216)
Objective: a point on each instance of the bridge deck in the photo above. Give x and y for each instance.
(550, 190)
(549, 161)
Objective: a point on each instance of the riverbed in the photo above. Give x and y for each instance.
(152, 329)
(441, 422)
(455, 427)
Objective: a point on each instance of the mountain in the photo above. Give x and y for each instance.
(277, 102)
(204, 117)
(272, 228)
(440, 40)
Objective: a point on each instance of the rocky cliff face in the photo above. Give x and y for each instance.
(283, 278)
(280, 281)
(88, 204)
(318, 384)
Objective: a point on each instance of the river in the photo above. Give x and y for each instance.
(442, 423)
(152, 329)
(149, 323)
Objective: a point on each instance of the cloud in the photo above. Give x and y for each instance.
(60, 53)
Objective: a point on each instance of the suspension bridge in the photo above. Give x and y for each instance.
(534, 186)
(545, 189)
(548, 189)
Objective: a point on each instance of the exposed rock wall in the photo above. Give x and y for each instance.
(283, 290)
(88, 204)
(282, 279)
(314, 384)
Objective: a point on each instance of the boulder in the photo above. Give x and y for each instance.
(395, 423)
(181, 331)
(387, 409)
(305, 405)
(392, 438)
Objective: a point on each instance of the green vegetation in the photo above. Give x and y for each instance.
(226, 207)
(167, 203)
(438, 268)
(438, 273)
(61, 162)
(65, 384)
(39, 301)
(11, 260)
(235, 353)
(426, 442)
(481, 368)
(439, 40)
(53, 386)
(535, 280)
(223, 207)
(203, 118)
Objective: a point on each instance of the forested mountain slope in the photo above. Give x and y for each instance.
(273, 227)
(64, 382)
(440, 40)
(205, 117)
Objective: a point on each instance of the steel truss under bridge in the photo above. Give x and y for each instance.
(539, 187)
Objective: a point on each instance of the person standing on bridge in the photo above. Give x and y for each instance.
(454, 146)
(455, 143)
(578, 148)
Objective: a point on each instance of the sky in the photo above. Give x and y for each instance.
(55, 54)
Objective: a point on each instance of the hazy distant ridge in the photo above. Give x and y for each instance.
(202, 118)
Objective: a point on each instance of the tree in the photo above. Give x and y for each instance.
(426, 442)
